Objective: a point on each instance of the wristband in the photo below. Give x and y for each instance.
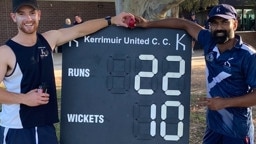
(108, 19)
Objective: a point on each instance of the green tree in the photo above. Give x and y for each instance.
(197, 5)
(149, 9)
(158, 9)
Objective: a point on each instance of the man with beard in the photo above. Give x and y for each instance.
(29, 103)
(230, 71)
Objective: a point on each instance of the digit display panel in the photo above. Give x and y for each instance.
(126, 86)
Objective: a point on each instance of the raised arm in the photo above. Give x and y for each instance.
(61, 36)
(175, 23)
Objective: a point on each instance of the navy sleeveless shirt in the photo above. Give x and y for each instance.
(34, 66)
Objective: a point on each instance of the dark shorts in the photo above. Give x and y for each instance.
(35, 135)
(212, 137)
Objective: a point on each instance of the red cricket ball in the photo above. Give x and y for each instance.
(130, 21)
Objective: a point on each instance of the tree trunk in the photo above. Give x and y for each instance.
(149, 9)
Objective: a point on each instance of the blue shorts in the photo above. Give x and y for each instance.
(35, 135)
(212, 137)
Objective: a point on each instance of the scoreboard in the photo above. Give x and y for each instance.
(126, 86)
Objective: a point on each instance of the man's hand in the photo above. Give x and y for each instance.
(35, 98)
(121, 19)
(140, 21)
(216, 103)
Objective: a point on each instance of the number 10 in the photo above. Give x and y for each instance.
(150, 74)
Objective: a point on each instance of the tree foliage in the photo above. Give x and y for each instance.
(197, 5)
(253, 2)
(149, 9)
(157, 9)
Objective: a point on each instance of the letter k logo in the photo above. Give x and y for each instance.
(218, 10)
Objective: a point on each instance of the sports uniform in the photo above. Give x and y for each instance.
(34, 66)
(229, 74)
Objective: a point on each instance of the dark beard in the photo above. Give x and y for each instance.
(220, 39)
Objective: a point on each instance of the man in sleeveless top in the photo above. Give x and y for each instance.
(29, 103)
(230, 75)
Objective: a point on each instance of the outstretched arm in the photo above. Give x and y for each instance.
(192, 28)
(61, 36)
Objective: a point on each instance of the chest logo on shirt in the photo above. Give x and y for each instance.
(227, 65)
(209, 57)
(43, 52)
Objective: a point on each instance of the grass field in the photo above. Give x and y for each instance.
(197, 113)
